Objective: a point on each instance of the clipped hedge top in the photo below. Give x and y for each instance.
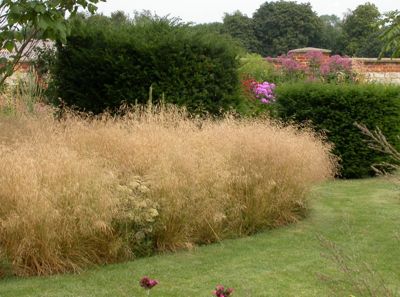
(105, 64)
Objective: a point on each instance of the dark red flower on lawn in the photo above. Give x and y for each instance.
(148, 283)
(220, 291)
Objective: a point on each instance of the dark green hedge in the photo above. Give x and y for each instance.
(104, 64)
(335, 108)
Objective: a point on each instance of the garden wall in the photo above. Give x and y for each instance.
(383, 70)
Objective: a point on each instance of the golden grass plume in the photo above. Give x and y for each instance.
(82, 191)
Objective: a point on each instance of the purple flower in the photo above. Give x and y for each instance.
(325, 69)
(335, 67)
(315, 57)
(264, 92)
(338, 63)
(289, 64)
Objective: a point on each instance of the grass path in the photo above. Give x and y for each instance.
(362, 217)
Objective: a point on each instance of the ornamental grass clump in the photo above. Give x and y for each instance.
(80, 191)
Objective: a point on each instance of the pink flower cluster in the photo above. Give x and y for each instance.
(336, 64)
(148, 283)
(319, 67)
(315, 57)
(264, 91)
(220, 291)
(289, 64)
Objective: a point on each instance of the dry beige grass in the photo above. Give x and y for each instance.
(82, 191)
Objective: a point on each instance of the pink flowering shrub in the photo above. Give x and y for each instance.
(337, 68)
(290, 68)
(315, 61)
(333, 69)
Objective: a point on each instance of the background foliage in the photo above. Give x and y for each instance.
(361, 31)
(285, 25)
(242, 28)
(391, 35)
(279, 26)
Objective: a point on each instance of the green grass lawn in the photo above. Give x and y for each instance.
(361, 217)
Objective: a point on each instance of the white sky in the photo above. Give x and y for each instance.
(205, 11)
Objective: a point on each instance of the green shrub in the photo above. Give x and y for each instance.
(105, 64)
(335, 108)
(256, 67)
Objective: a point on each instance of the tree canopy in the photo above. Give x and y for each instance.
(285, 25)
(277, 27)
(241, 27)
(361, 31)
(332, 33)
(391, 34)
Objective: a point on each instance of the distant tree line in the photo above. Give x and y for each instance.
(277, 27)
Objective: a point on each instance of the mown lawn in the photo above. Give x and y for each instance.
(361, 217)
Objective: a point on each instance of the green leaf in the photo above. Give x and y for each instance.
(92, 8)
(44, 17)
(9, 45)
(40, 8)
(3, 61)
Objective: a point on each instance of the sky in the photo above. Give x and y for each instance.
(206, 11)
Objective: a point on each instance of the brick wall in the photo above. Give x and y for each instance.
(21, 67)
(376, 70)
(20, 72)
(300, 55)
(383, 70)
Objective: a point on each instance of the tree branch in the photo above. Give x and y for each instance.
(25, 49)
